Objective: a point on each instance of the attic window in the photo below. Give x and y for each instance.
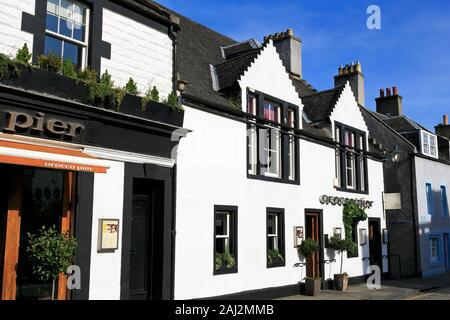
(429, 144)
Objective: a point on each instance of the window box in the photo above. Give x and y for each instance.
(54, 84)
(276, 262)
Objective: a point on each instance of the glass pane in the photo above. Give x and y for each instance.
(53, 45)
(52, 23)
(52, 6)
(271, 111)
(221, 245)
(72, 52)
(79, 14)
(221, 224)
(66, 9)
(65, 27)
(271, 243)
(78, 32)
(271, 224)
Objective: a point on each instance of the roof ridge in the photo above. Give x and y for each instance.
(324, 91)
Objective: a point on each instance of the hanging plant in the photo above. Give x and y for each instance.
(352, 213)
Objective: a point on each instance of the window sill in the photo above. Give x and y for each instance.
(225, 270)
(276, 264)
(352, 191)
(271, 179)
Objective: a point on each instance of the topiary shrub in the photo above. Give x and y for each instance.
(131, 88)
(309, 247)
(23, 55)
(342, 245)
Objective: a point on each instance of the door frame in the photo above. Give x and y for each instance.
(319, 213)
(380, 248)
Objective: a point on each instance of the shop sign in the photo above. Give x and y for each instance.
(39, 122)
(340, 201)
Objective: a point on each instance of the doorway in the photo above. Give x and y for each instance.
(313, 230)
(147, 245)
(446, 252)
(30, 199)
(375, 244)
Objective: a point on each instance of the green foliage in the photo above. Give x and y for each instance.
(274, 254)
(131, 88)
(50, 62)
(351, 213)
(68, 69)
(224, 259)
(50, 253)
(8, 67)
(23, 55)
(102, 92)
(88, 75)
(119, 95)
(172, 101)
(342, 245)
(309, 247)
(152, 94)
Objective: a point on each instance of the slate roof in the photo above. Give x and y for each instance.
(302, 87)
(403, 124)
(234, 50)
(319, 106)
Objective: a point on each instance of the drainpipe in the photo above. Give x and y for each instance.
(415, 217)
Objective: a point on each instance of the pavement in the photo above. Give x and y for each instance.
(430, 288)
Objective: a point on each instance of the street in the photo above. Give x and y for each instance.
(432, 288)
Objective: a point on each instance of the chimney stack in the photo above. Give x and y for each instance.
(289, 47)
(444, 128)
(390, 105)
(353, 74)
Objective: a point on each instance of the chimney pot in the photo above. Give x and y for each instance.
(290, 32)
(395, 90)
(445, 120)
(381, 93)
(388, 92)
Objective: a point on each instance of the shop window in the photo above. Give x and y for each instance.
(275, 238)
(67, 31)
(225, 240)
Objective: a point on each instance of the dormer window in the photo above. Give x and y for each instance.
(429, 144)
(351, 160)
(272, 144)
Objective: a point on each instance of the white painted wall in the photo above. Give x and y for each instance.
(437, 174)
(212, 170)
(11, 36)
(105, 273)
(137, 51)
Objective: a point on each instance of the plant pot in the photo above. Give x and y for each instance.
(312, 287)
(341, 282)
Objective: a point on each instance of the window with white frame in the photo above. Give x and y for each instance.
(351, 160)
(429, 144)
(434, 249)
(225, 240)
(270, 139)
(67, 25)
(252, 107)
(275, 237)
(292, 155)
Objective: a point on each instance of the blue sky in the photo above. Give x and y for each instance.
(411, 51)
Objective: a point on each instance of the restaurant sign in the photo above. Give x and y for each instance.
(340, 201)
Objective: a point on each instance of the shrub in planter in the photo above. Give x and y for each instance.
(274, 256)
(68, 69)
(341, 245)
(173, 102)
(88, 75)
(312, 284)
(50, 62)
(131, 88)
(224, 261)
(50, 254)
(23, 55)
(8, 68)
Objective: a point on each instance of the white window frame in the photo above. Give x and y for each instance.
(227, 235)
(352, 167)
(272, 145)
(292, 149)
(83, 44)
(362, 171)
(252, 136)
(274, 236)
(429, 144)
(436, 240)
(337, 133)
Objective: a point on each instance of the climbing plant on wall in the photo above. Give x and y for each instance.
(352, 213)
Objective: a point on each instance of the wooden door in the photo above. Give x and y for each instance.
(313, 232)
(375, 243)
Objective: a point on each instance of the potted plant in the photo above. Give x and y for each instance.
(341, 245)
(275, 258)
(50, 254)
(312, 284)
(224, 262)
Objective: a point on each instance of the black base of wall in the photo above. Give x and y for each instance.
(261, 294)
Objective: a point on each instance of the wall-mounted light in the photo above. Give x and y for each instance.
(182, 85)
(395, 155)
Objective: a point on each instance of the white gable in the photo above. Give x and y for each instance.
(268, 75)
(347, 111)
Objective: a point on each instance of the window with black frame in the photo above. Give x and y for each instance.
(272, 143)
(351, 159)
(275, 238)
(225, 240)
(67, 31)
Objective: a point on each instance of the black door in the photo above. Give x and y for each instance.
(375, 243)
(146, 254)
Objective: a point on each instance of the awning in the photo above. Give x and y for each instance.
(25, 154)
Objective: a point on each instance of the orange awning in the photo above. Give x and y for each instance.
(25, 154)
